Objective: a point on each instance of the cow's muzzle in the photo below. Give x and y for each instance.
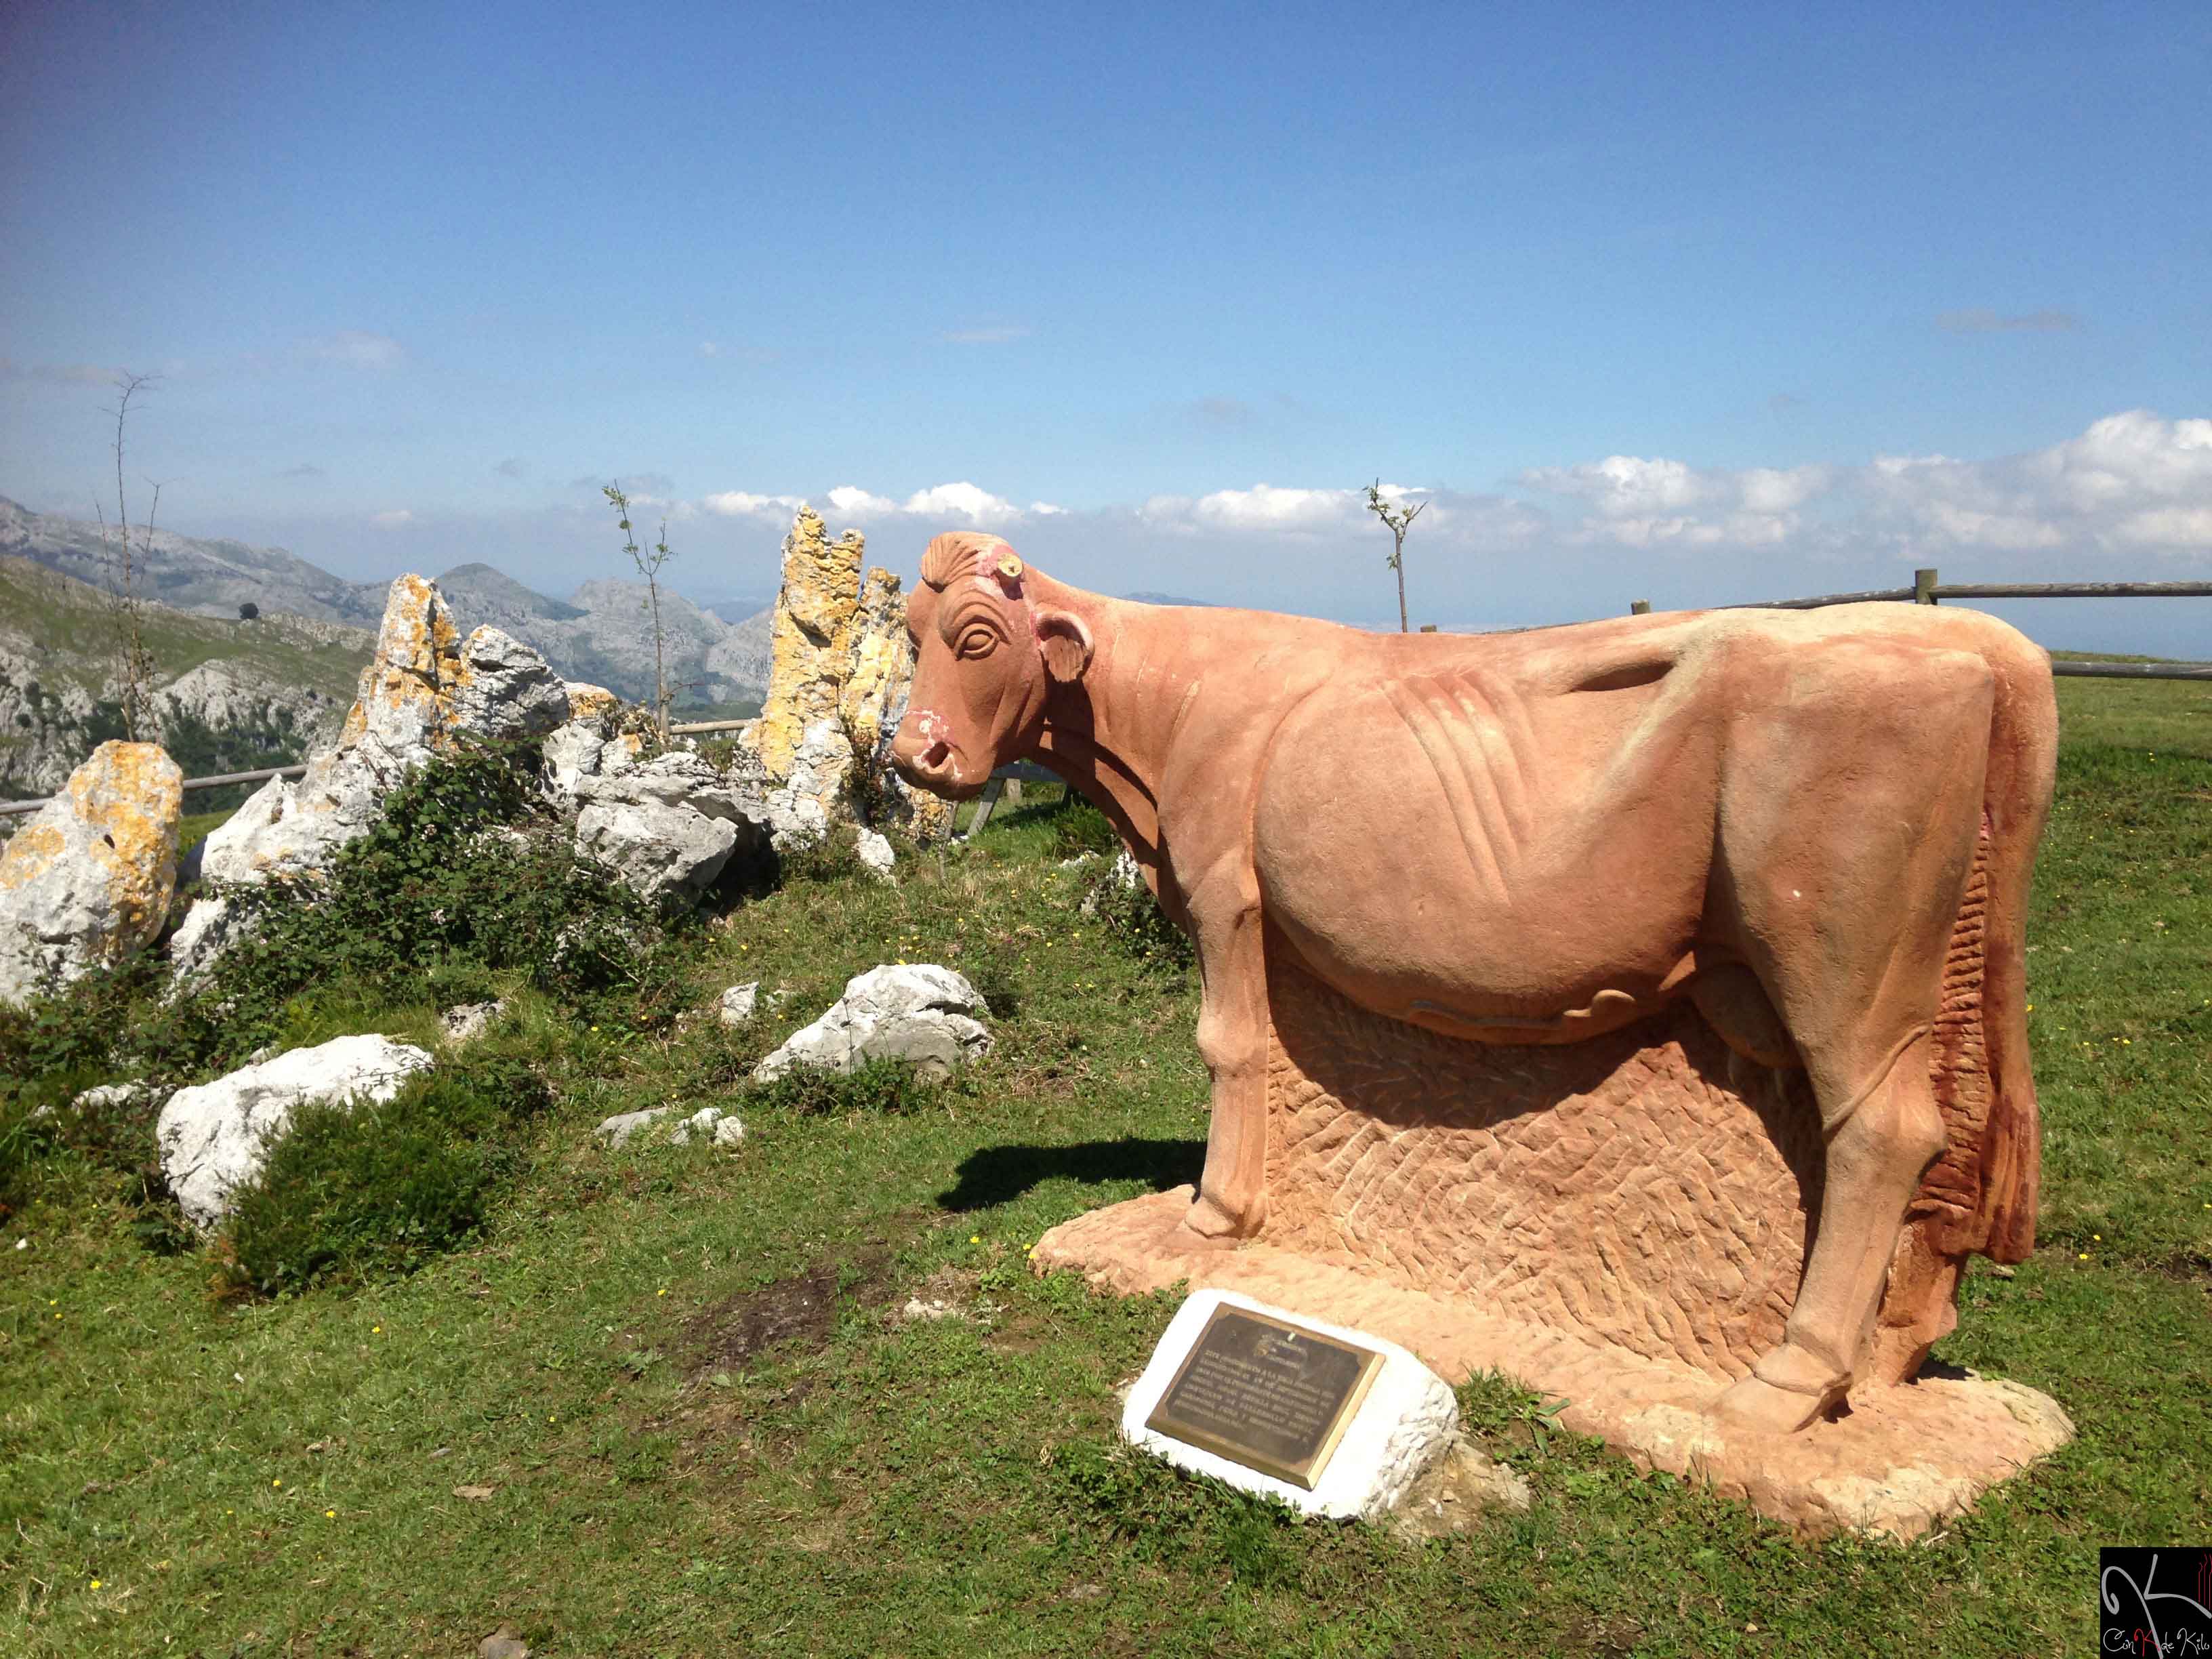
(932, 764)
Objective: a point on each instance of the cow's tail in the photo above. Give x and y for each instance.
(1980, 1194)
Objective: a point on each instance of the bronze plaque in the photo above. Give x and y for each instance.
(1265, 1393)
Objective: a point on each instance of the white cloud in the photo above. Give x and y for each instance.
(961, 503)
(980, 508)
(2133, 482)
(357, 349)
(851, 502)
(738, 504)
(394, 520)
(1046, 510)
(1270, 507)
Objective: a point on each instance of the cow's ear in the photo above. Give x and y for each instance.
(1065, 643)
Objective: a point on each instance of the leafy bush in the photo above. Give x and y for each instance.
(876, 1086)
(1077, 827)
(1130, 914)
(376, 1190)
(464, 876)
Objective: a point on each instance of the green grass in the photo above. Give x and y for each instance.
(682, 1377)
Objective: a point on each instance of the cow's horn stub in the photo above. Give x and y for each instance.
(1010, 565)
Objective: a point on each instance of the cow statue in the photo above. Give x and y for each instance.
(1537, 837)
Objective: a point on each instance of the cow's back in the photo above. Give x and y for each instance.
(1502, 829)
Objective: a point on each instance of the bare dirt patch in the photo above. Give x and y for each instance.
(800, 1310)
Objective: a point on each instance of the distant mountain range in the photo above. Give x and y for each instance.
(603, 633)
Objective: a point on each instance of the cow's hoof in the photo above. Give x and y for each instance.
(1208, 1225)
(1756, 1403)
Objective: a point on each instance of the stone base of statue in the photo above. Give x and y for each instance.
(1622, 1222)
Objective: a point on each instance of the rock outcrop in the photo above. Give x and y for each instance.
(667, 827)
(215, 1138)
(424, 688)
(591, 743)
(837, 688)
(918, 1012)
(87, 880)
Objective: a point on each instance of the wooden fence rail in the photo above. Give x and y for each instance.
(1926, 589)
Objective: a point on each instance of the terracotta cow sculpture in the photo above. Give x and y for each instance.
(1538, 837)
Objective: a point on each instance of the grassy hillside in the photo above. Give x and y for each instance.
(668, 1400)
(69, 619)
(58, 637)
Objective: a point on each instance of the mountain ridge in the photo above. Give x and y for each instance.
(602, 634)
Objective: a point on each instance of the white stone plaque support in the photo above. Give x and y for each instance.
(1406, 1421)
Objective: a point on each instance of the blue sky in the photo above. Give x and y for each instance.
(1701, 303)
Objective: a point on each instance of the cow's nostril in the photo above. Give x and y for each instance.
(936, 754)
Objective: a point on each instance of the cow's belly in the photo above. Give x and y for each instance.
(1528, 911)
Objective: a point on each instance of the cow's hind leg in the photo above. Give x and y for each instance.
(1848, 825)
(1879, 1144)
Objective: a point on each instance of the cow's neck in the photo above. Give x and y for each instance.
(1108, 733)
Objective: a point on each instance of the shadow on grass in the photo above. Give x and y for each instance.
(996, 1175)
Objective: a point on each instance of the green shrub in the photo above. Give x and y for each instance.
(876, 1086)
(376, 1190)
(1077, 827)
(1133, 917)
(467, 874)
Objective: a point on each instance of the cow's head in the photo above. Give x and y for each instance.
(988, 650)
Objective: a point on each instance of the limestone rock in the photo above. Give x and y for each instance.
(471, 1020)
(617, 1130)
(87, 880)
(211, 926)
(504, 690)
(842, 668)
(215, 1137)
(668, 826)
(1409, 1420)
(710, 1123)
(875, 853)
(917, 1011)
(424, 687)
(591, 743)
(737, 1004)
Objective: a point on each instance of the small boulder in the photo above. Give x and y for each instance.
(668, 826)
(215, 1137)
(875, 853)
(471, 1020)
(918, 1012)
(710, 1123)
(739, 1003)
(616, 1131)
(87, 880)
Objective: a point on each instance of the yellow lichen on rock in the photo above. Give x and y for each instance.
(837, 687)
(812, 638)
(592, 703)
(88, 880)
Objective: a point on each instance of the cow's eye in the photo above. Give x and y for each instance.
(977, 640)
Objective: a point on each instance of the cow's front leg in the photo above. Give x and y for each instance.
(1232, 1039)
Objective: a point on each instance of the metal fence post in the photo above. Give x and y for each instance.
(1639, 607)
(1923, 587)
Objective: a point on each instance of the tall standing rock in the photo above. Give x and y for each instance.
(837, 690)
(87, 881)
(424, 686)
